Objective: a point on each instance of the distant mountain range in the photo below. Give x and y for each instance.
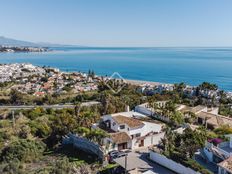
(13, 42)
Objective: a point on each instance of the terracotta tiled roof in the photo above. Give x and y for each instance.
(205, 115)
(120, 137)
(185, 109)
(226, 164)
(131, 122)
(216, 120)
(198, 108)
(194, 110)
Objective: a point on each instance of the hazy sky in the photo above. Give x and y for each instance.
(119, 22)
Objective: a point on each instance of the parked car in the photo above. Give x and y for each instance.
(121, 154)
(113, 153)
(116, 154)
(111, 160)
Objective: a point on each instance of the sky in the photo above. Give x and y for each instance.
(153, 23)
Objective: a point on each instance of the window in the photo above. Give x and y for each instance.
(135, 135)
(122, 126)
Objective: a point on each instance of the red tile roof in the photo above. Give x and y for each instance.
(131, 122)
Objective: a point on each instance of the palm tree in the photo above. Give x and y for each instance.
(191, 117)
(176, 117)
(168, 141)
(87, 118)
(180, 87)
(104, 98)
(169, 109)
(77, 111)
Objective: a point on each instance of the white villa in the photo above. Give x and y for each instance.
(207, 117)
(149, 111)
(146, 109)
(130, 130)
(225, 167)
(220, 154)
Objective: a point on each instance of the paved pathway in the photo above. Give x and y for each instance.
(139, 160)
(210, 166)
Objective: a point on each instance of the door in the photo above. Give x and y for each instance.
(141, 144)
(122, 146)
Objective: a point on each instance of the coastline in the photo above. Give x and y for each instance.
(190, 73)
(142, 82)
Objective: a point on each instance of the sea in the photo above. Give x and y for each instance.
(166, 65)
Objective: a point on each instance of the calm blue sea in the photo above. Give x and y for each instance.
(169, 65)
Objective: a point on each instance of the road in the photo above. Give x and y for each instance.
(58, 106)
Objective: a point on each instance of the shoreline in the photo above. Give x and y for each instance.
(141, 82)
(128, 81)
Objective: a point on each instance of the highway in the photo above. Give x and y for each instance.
(58, 106)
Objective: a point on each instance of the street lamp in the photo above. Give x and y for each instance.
(126, 164)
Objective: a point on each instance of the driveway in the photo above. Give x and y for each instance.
(138, 159)
(210, 166)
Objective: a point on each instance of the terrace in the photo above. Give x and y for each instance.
(225, 146)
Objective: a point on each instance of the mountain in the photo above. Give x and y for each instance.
(13, 42)
(47, 44)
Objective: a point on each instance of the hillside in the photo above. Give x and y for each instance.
(13, 42)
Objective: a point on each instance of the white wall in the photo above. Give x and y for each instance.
(136, 131)
(147, 111)
(170, 164)
(214, 111)
(148, 141)
(153, 139)
(134, 144)
(147, 128)
(151, 127)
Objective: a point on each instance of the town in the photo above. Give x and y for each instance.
(52, 121)
(38, 81)
(10, 49)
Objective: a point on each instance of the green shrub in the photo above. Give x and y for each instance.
(40, 127)
(62, 166)
(5, 123)
(23, 150)
(12, 167)
(195, 166)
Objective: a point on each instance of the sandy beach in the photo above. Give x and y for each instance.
(140, 82)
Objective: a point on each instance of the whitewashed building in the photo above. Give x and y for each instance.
(130, 130)
(220, 154)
